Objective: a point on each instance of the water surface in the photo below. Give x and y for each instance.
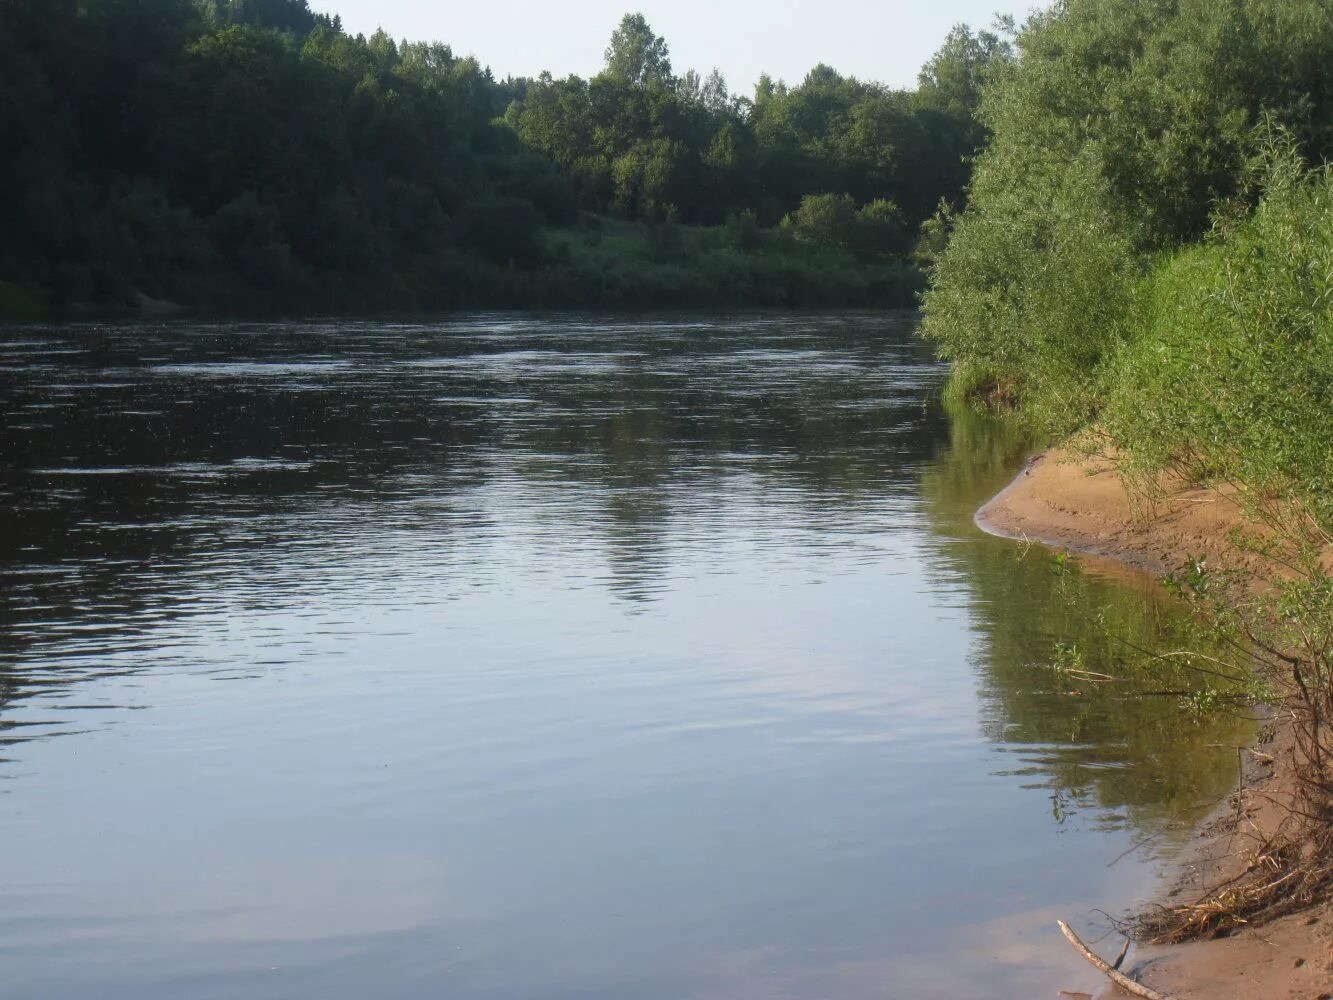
(515, 657)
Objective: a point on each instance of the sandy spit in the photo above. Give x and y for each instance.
(1066, 501)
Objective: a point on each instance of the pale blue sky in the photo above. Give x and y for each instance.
(886, 40)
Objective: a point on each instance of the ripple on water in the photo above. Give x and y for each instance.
(512, 656)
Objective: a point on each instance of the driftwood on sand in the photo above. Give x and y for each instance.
(1111, 971)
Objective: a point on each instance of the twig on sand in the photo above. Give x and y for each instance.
(1119, 959)
(1111, 971)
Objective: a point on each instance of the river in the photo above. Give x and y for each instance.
(528, 657)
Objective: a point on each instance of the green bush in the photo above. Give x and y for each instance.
(879, 231)
(1231, 374)
(1032, 296)
(825, 220)
(1117, 132)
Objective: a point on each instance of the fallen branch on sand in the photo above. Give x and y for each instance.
(1111, 971)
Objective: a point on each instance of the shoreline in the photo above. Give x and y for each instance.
(1063, 501)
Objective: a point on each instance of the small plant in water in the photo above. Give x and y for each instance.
(1193, 582)
(1205, 701)
(1066, 657)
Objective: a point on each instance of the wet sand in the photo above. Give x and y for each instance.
(1066, 501)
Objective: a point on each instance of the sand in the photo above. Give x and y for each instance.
(1082, 505)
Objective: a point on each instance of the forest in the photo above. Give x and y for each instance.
(251, 157)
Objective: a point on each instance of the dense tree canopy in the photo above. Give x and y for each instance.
(250, 154)
(1118, 133)
(639, 141)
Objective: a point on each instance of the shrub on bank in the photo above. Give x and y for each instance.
(1230, 374)
(1033, 295)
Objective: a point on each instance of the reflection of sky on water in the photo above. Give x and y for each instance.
(676, 669)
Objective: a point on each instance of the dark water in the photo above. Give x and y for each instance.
(523, 658)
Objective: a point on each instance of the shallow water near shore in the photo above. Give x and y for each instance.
(522, 657)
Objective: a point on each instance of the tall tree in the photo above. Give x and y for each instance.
(638, 57)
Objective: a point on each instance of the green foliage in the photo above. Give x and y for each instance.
(1032, 296)
(879, 230)
(250, 156)
(1116, 133)
(620, 263)
(1066, 657)
(638, 138)
(636, 57)
(953, 79)
(826, 220)
(534, 178)
(1231, 375)
(834, 221)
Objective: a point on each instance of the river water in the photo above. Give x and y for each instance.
(514, 657)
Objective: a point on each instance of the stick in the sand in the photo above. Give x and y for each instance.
(1119, 978)
(1120, 959)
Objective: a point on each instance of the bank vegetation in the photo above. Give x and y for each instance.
(1146, 264)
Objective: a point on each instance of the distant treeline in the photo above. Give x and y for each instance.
(250, 155)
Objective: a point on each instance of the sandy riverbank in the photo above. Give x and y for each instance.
(1082, 505)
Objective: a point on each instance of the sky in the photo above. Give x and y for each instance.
(886, 40)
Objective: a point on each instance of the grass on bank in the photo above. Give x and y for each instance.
(604, 262)
(598, 263)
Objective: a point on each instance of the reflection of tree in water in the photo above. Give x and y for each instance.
(635, 540)
(653, 439)
(1116, 751)
(629, 461)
